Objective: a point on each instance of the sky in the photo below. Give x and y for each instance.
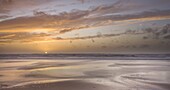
(85, 26)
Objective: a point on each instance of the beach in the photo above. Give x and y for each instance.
(84, 44)
(50, 74)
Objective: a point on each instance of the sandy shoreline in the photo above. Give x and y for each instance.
(84, 75)
(64, 85)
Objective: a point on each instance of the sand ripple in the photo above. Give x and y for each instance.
(85, 75)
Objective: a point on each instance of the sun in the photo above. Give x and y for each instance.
(46, 52)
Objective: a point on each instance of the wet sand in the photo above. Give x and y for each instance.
(84, 75)
(64, 85)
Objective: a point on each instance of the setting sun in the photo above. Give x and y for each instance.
(46, 52)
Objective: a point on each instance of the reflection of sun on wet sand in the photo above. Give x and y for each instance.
(84, 75)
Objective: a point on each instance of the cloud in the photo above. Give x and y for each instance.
(71, 29)
(88, 37)
(150, 33)
(94, 16)
(22, 37)
(74, 18)
(144, 46)
(167, 36)
(4, 16)
(25, 37)
(104, 47)
(155, 33)
(135, 46)
(4, 4)
(67, 21)
(43, 20)
(158, 33)
(82, 1)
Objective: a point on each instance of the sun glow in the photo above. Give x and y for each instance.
(46, 52)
